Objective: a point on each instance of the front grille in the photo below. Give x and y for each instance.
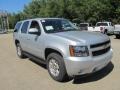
(99, 44)
(100, 52)
(100, 48)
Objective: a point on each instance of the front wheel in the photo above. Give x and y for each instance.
(56, 67)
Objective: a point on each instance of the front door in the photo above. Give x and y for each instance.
(35, 40)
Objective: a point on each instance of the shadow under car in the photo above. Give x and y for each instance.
(95, 76)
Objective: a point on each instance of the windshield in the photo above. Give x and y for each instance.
(102, 24)
(83, 25)
(57, 25)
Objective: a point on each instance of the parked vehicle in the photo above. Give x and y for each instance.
(65, 50)
(117, 31)
(104, 27)
(85, 26)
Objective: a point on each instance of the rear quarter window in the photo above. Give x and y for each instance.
(24, 27)
(17, 27)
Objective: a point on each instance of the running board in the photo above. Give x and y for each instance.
(35, 58)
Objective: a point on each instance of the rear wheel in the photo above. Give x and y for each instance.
(56, 67)
(19, 51)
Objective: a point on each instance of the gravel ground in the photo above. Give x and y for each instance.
(24, 74)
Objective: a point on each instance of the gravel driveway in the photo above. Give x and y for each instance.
(25, 74)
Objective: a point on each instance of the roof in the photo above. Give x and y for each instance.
(103, 22)
(37, 19)
(41, 19)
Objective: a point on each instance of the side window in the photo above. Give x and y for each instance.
(17, 27)
(24, 27)
(35, 24)
(90, 25)
(66, 25)
(112, 24)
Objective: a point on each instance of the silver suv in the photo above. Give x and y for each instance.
(59, 44)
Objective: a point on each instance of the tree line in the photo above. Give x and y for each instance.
(75, 10)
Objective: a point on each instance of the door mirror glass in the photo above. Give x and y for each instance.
(33, 31)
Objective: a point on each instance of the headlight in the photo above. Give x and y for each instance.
(79, 51)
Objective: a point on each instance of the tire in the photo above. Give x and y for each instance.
(19, 51)
(56, 67)
(118, 36)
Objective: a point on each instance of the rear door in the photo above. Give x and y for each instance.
(23, 35)
(16, 30)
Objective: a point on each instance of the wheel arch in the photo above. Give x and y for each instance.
(51, 50)
(17, 41)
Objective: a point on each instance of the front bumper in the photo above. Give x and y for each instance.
(86, 65)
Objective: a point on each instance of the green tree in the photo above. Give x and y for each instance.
(75, 10)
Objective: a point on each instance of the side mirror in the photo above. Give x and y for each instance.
(34, 31)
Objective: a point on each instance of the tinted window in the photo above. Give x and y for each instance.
(24, 27)
(35, 24)
(17, 27)
(90, 24)
(83, 25)
(57, 25)
(102, 24)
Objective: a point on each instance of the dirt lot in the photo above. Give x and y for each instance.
(18, 74)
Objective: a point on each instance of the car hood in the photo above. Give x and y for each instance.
(83, 36)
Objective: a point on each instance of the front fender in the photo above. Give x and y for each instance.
(60, 49)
